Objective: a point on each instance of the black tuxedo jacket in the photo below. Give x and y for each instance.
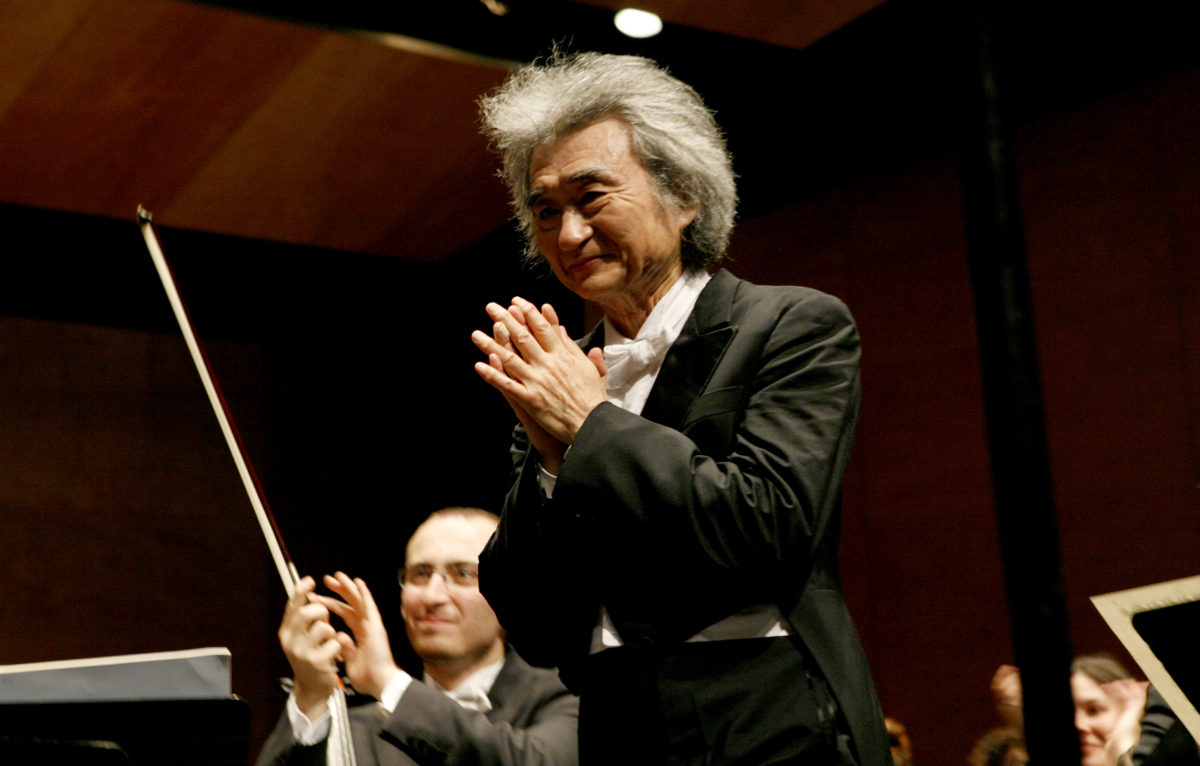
(723, 494)
(533, 721)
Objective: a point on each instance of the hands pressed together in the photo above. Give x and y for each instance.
(550, 383)
(313, 646)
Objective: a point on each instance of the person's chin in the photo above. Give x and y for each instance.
(435, 645)
(600, 281)
(1093, 755)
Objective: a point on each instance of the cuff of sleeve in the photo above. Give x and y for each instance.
(305, 731)
(389, 698)
(546, 481)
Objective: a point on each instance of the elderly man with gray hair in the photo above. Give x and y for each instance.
(670, 539)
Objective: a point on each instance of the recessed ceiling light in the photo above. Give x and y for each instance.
(639, 24)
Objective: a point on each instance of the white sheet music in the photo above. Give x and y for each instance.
(187, 674)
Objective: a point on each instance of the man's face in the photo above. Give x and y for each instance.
(448, 623)
(599, 223)
(1095, 718)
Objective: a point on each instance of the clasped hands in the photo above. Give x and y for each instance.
(313, 646)
(550, 383)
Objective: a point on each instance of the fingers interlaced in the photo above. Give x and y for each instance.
(511, 340)
(544, 330)
(523, 329)
(500, 333)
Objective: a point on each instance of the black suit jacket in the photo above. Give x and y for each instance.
(533, 721)
(1164, 740)
(721, 495)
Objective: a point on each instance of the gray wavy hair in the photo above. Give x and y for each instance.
(673, 134)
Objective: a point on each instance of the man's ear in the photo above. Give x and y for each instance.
(687, 216)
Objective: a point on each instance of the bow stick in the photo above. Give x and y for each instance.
(233, 439)
(341, 751)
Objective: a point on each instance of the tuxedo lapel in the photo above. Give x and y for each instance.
(506, 680)
(691, 359)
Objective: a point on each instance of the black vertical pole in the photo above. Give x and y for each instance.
(1012, 396)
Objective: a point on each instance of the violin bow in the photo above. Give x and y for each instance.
(340, 750)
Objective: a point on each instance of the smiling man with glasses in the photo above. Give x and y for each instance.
(477, 701)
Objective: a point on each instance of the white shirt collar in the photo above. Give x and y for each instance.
(472, 693)
(633, 363)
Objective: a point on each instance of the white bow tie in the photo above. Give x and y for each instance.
(627, 360)
(471, 699)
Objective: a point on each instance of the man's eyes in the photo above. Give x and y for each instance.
(464, 574)
(587, 201)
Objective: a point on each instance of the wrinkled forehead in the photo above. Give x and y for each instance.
(449, 539)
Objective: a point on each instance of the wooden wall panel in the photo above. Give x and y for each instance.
(125, 526)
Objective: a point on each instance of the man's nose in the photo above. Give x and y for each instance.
(575, 229)
(438, 588)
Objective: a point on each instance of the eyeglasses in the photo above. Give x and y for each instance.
(461, 574)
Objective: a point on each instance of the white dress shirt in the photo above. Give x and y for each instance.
(471, 694)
